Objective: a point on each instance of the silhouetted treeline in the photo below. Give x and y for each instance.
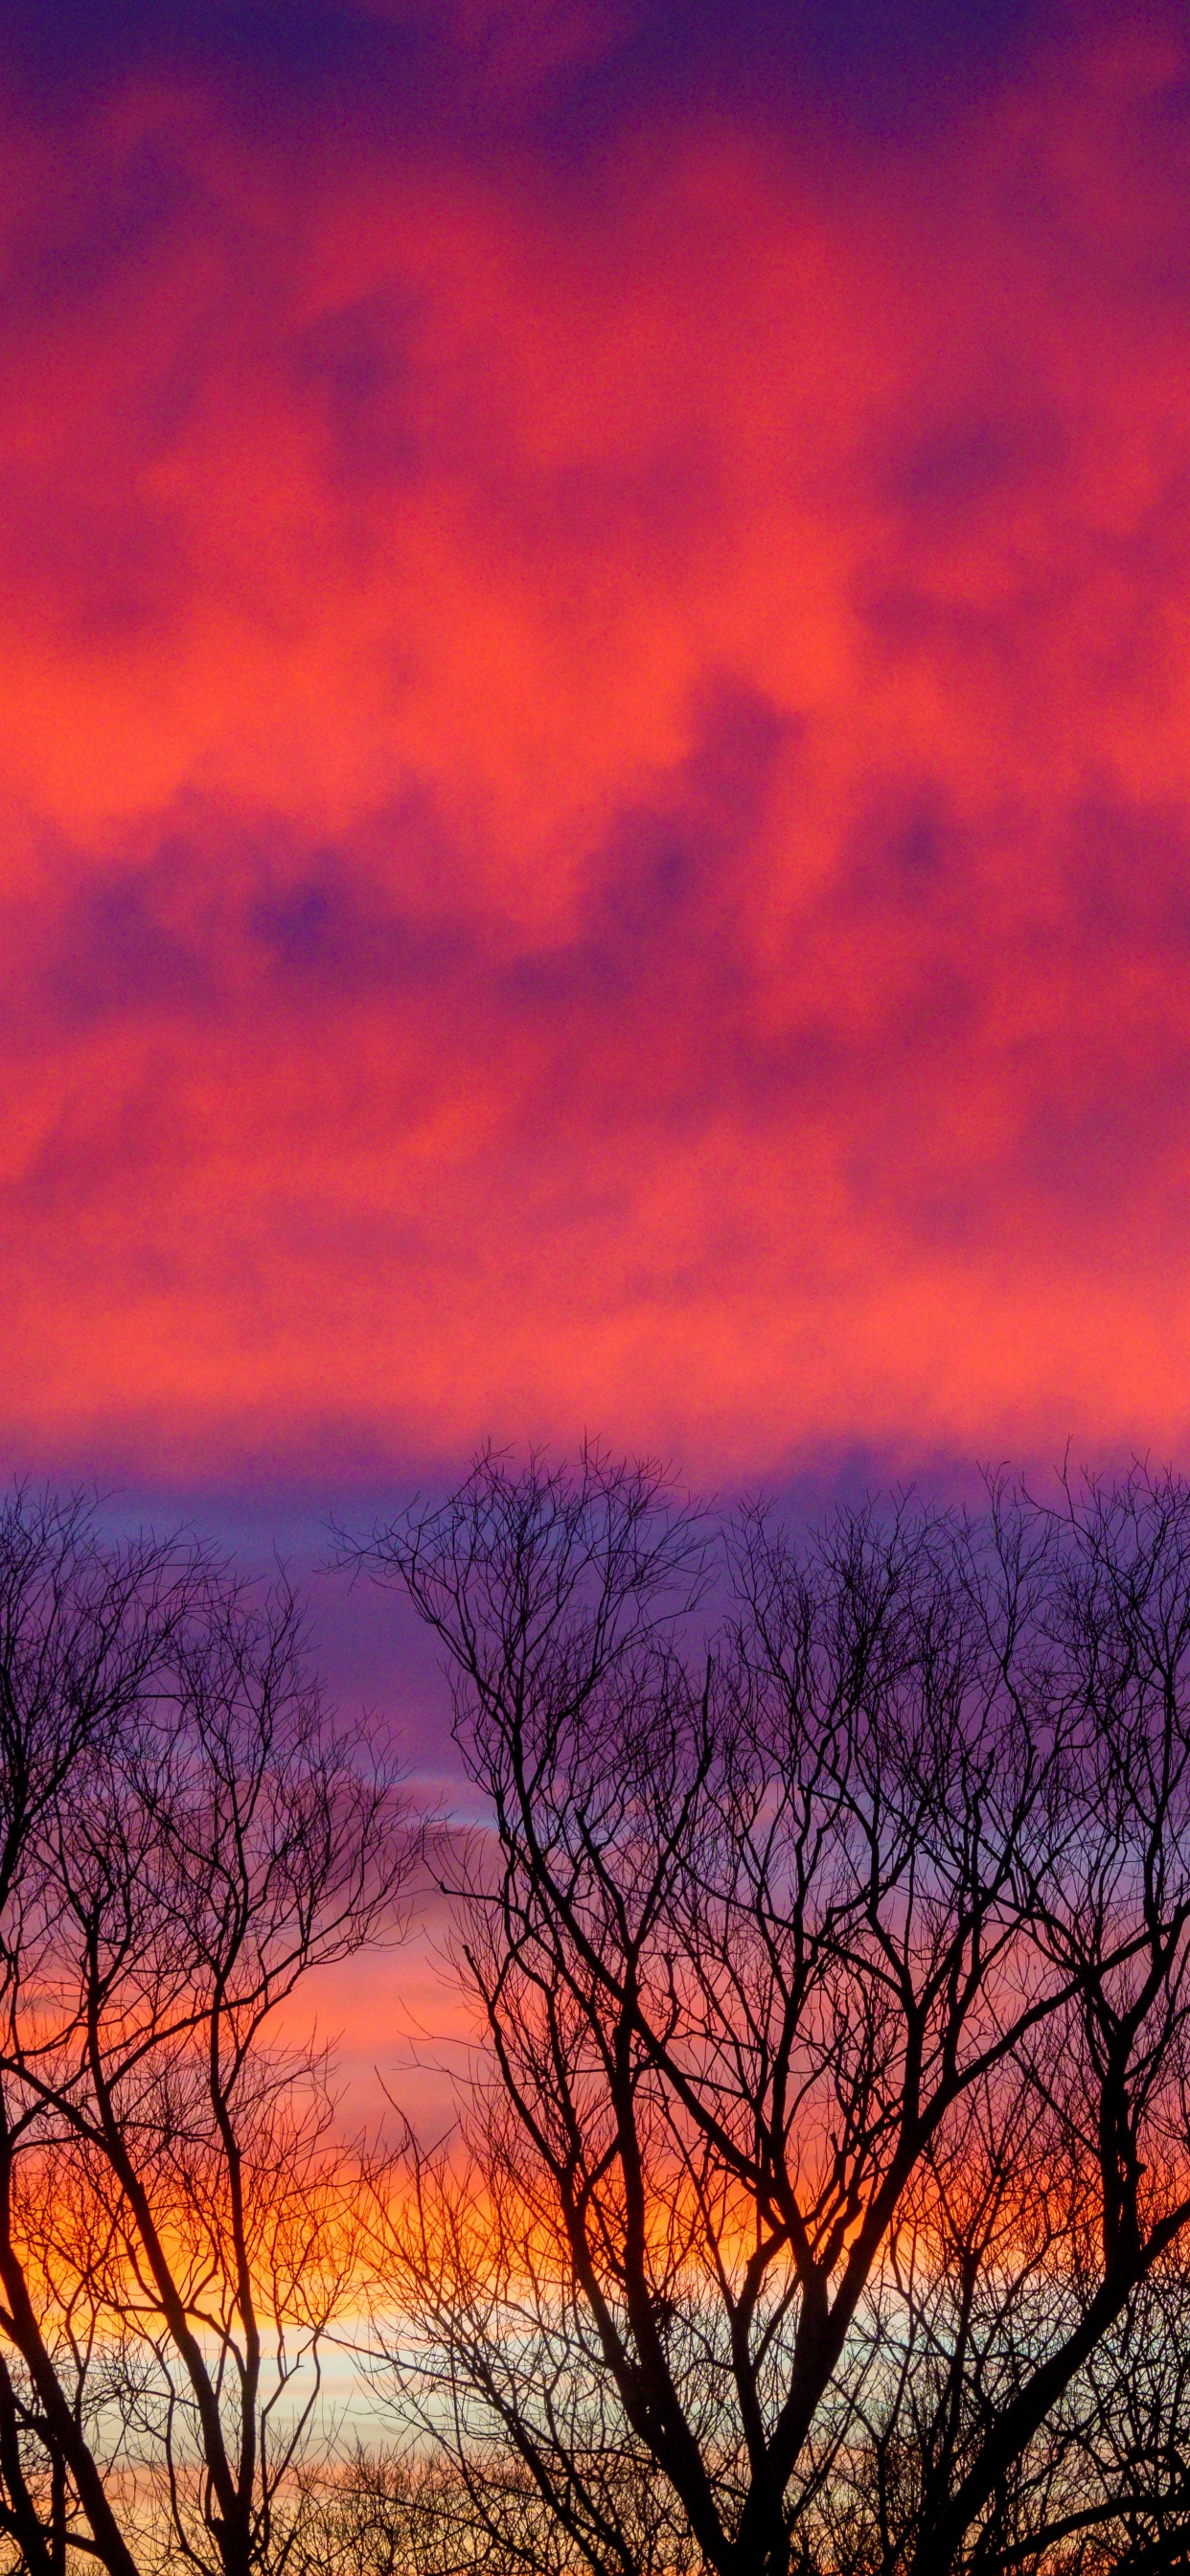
(825, 2204)
(821, 2202)
(184, 1834)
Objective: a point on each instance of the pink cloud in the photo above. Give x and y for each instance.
(596, 785)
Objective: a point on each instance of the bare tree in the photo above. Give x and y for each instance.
(833, 1964)
(188, 1833)
(402, 2511)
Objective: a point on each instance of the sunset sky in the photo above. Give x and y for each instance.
(594, 736)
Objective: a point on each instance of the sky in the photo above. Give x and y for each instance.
(594, 738)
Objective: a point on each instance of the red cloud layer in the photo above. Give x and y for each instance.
(596, 785)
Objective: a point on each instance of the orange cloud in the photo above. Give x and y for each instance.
(595, 773)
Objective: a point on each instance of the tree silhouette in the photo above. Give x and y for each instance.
(825, 2198)
(184, 1834)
